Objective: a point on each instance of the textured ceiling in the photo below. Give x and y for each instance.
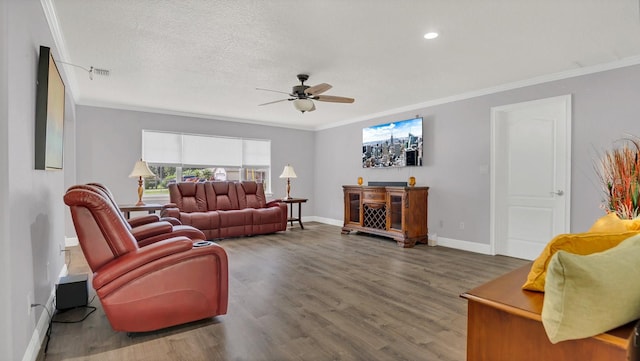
(206, 58)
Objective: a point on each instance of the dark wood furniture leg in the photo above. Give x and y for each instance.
(300, 215)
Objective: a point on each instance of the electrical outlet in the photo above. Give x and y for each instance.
(461, 225)
(441, 223)
(61, 248)
(29, 302)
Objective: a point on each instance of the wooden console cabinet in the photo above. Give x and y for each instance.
(505, 324)
(396, 212)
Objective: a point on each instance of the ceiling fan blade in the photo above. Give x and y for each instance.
(275, 91)
(275, 101)
(333, 99)
(318, 89)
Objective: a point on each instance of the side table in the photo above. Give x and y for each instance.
(290, 202)
(149, 207)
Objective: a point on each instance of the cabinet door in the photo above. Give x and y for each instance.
(352, 212)
(394, 213)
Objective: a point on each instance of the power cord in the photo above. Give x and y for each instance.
(48, 333)
(91, 308)
(52, 321)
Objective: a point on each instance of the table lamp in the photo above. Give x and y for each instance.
(288, 173)
(141, 169)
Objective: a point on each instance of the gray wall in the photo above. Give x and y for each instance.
(32, 221)
(606, 107)
(5, 268)
(109, 142)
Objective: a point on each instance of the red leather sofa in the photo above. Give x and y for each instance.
(166, 283)
(223, 209)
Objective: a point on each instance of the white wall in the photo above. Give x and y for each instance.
(32, 209)
(457, 145)
(5, 301)
(109, 142)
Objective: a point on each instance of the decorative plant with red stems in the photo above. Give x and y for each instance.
(619, 173)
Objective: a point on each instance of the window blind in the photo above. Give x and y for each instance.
(256, 152)
(203, 150)
(161, 147)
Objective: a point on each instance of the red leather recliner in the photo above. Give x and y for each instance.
(141, 289)
(150, 228)
(137, 221)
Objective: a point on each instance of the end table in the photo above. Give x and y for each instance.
(290, 202)
(149, 207)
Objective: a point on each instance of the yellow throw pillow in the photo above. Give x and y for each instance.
(580, 243)
(588, 295)
(612, 223)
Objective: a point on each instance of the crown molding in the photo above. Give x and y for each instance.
(622, 63)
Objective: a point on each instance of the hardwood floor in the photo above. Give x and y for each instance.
(310, 294)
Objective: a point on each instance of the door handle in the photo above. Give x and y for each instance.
(558, 193)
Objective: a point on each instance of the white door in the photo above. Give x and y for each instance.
(530, 175)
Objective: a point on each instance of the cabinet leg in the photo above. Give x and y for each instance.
(405, 243)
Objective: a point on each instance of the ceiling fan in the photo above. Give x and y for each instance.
(303, 95)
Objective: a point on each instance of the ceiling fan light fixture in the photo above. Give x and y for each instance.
(430, 35)
(303, 105)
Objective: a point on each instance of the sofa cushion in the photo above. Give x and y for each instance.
(612, 223)
(588, 295)
(251, 195)
(221, 196)
(188, 196)
(580, 243)
(267, 216)
(235, 223)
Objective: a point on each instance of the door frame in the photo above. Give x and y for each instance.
(495, 113)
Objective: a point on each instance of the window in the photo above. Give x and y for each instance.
(198, 158)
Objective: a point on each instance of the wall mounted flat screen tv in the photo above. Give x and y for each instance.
(49, 129)
(395, 144)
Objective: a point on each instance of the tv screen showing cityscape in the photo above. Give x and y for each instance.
(396, 144)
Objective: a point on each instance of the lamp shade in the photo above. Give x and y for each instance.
(303, 105)
(141, 169)
(288, 172)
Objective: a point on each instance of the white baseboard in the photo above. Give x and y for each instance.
(40, 332)
(464, 245)
(444, 242)
(332, 222)
(71, 241)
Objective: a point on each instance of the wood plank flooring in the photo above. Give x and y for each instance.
(311, 294)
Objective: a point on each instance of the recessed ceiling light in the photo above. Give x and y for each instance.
(430, 35)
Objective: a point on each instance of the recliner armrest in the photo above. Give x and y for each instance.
(142, 220)
(140, 257)
(274, 203)
(151, 229)
(170, 210)
(173, 220)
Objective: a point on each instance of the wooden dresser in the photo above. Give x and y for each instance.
(504, 324)
(396, 212)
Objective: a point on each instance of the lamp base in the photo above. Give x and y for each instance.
(140, 192)
(288, 189)
(140, 204)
